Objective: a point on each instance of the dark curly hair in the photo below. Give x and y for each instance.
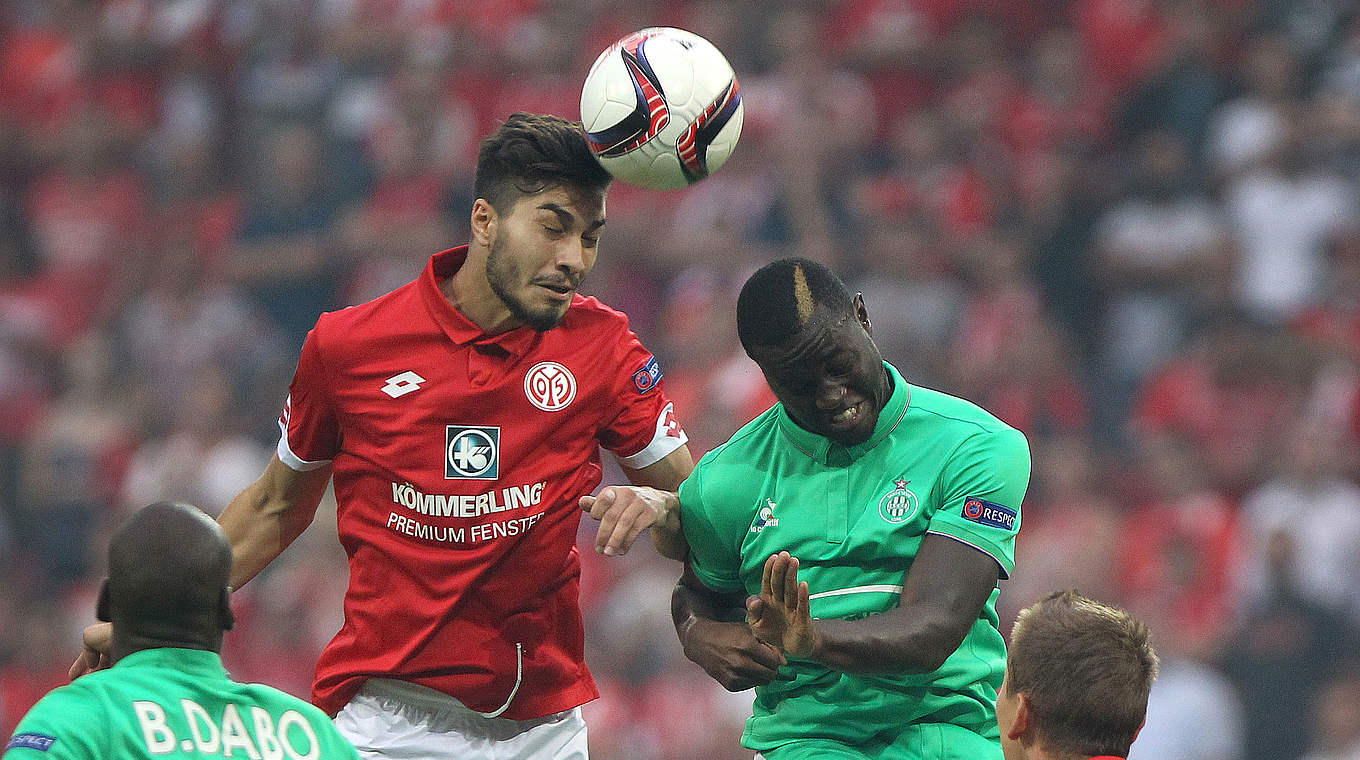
(531, 152)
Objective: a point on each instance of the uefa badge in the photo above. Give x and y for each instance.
(899, 504)
(549, 386)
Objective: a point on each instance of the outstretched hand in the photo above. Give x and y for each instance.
(780, 615)
(625, 511)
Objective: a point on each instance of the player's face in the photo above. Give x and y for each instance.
(830, 378)
(543, 248)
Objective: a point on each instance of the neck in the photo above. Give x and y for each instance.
(132, 643)
(471, 294)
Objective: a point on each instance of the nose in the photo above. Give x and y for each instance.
(572, 257)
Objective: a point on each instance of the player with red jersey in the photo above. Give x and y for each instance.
(461, 417)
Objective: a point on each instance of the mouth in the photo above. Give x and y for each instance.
(559, 291)
(847, 417)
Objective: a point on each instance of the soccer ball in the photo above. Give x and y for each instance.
(661, 108)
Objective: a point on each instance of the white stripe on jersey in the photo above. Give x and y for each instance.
(880, 589)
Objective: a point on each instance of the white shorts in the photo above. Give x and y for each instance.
(396, 720)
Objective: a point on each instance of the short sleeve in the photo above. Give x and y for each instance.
(309, 432)
(983, 484)
(644, 428)
(714, 559)
(59, 727)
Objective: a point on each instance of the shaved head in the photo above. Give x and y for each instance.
(169, 566)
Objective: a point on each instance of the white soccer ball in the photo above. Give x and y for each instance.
(661, 108)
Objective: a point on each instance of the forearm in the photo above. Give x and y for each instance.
(664, 477)
(897, 641)
(943, 595)
(667, 535)
(689, 608)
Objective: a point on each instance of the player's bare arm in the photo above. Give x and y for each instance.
(625, 511)
(712, 632)
(942, 595)
(260, 523)
(269, 515)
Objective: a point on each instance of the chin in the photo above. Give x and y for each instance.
(545, 321)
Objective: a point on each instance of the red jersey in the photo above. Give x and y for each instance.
(459, 459)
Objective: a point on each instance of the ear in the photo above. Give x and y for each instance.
(101, 607)
(1024, 716)
(224, 612)
(862, 314)
(484, 221)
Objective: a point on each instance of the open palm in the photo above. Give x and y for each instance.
(780, 616)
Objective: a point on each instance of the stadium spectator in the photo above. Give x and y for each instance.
(1309, 502)
(1077, 679)
(1285, 648)
(857, 474)
(169, 604)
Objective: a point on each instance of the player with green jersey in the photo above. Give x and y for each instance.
(167, 695)
(861, 524)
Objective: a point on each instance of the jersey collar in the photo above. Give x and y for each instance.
(461, 330)
(199, 663)
(830, 453)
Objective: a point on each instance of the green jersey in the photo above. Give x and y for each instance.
(173, 703)
(855, 517)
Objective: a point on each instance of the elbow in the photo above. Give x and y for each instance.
(931, 658)
(932, 647)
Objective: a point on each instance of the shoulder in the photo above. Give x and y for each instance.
(77, 706)
(930, 406)
(390, 308)
(968, 431)
(729, 465)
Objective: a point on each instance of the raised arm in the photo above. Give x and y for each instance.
(942, 596)
(269, 515)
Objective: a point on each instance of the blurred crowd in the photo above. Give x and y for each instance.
(1127, 227)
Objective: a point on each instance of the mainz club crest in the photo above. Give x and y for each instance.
(549, 386)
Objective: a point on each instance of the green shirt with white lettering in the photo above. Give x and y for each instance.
(855, 517)
(173, 703)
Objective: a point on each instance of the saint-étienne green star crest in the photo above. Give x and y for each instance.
(899, 504)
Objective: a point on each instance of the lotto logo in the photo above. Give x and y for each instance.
(472, 453)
